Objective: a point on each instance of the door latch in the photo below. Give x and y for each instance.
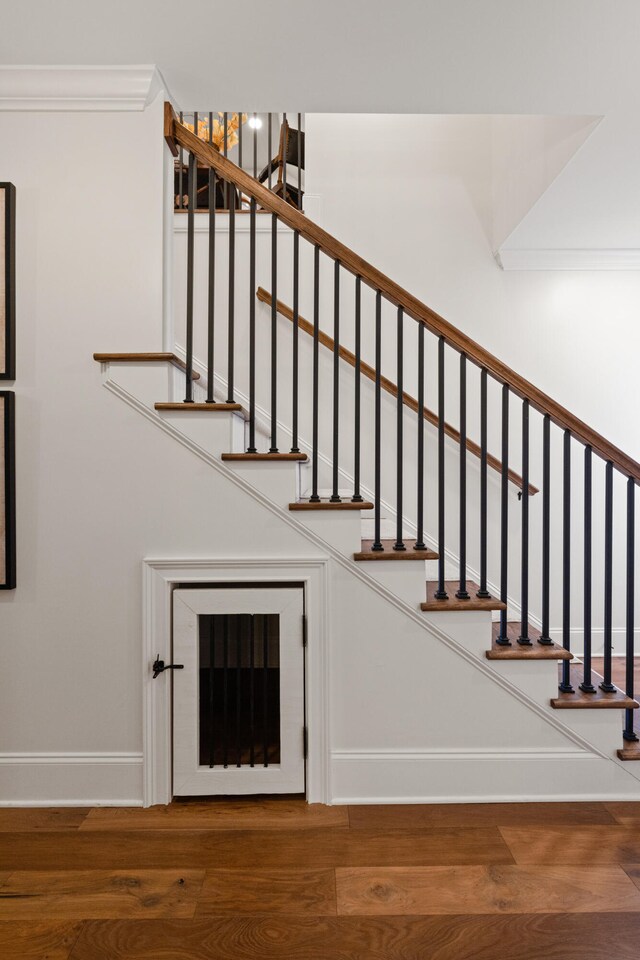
(160, 666)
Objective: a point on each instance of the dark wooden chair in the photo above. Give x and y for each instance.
(290, 153)
(202, 190)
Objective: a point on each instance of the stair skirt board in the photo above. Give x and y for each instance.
(449, 777)
(466, 635)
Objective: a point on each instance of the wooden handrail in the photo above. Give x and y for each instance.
(387, 385)
(178, 133)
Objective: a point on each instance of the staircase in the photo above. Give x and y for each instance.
(390, 490)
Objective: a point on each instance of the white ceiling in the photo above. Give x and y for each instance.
(414, 56)
(553, 57)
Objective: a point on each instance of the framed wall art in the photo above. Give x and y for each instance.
(7, 491)
(7, 281)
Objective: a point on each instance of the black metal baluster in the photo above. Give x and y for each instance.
(212, 275)
(462, 592)
(357, 497)
(252, 664)
(441, 593)
(299, 161)
(232, 296)
(587, 686)
(629, 733)
(255, 146)
(420, 544)
(212, 663)
(544, 638)
(523, 639)
(335, 496)
(238, 622)
(606, 684)
(269, 148)
(190, 268)
(296, 313)
(399, 544)
(316, 330)
(483, 593)
(195, 130)
(283, 159)
(565, 685)
(377, 543)
(225, 690)
(274, 333)
(225, 123)
(180, 170)
(265, 690)
(252, 327)
(503, 637)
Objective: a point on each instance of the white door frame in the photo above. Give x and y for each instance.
(159, 578)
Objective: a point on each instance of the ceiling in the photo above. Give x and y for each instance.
(413, 56)
(544, 57)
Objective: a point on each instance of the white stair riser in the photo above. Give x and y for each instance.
(277, 480)
(340, 528)
(602, 728)
(405, 578)
(148, 382)
(470, 628)
(211, 431)
(537, 678)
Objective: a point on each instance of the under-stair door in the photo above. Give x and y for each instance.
(238, 701)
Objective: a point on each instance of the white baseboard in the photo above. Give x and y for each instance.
(70, 779)
(483, 776)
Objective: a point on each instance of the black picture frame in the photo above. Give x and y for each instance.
(8, 267)
(8, 501)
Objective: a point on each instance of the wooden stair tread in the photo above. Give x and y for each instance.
(326, 505)
(366, 553)
(200, 407)
(630, 751)
(265, 456)
(517, 651)
(453, 603)
(617, 700)
(143, 358)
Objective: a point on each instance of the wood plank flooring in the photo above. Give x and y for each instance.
(277, 878)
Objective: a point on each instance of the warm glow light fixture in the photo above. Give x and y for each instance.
(255, 122)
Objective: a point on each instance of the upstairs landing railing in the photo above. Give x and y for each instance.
(597, 453)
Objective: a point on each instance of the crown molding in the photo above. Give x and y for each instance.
(79, 88)
(577, 259)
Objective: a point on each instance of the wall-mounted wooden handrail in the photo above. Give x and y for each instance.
(176, 132)
(387, 385)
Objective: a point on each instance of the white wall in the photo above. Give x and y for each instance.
(97, 488)
(528, 153)
(414, 196)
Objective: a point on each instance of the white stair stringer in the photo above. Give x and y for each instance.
(602, 776)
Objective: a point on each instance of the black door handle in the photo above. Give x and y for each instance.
(160, 666)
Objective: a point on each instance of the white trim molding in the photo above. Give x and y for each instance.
(70, 779)
(242, 223)
(159, 578)
(75, 88)
(444, 776)
(587, 259)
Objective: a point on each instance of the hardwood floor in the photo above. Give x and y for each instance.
(269, 879)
